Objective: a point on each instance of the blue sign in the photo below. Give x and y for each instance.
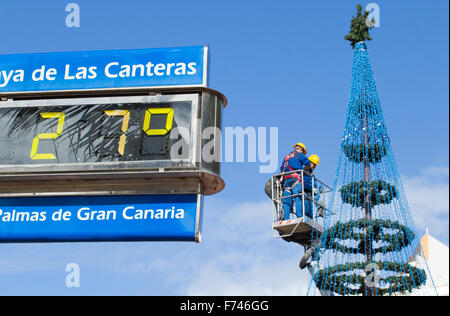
(100, 218)
(109, 69)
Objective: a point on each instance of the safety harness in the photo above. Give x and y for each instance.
(291, 175)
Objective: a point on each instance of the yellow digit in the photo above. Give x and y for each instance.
(158, 131)
(34, 147)
(126, 118)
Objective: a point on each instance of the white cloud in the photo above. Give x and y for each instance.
(249, 260)
(262, 277)
(428, 197)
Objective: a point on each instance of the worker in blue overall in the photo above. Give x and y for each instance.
(292, 182)
(311, 192)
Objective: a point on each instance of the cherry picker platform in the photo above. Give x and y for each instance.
(303, 229)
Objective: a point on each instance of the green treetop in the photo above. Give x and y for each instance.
(359, 28)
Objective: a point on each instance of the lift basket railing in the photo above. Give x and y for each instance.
(315, 199)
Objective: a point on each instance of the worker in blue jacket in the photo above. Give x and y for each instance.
(311, 192)
(292, 182)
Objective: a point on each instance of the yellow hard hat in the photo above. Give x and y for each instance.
(314, 159)
(300, 145)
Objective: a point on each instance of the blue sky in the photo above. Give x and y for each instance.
(282, 64)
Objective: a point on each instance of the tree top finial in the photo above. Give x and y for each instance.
(359, 28)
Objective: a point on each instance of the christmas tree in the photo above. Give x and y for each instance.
(369, 243)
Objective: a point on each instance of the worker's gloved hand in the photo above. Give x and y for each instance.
(316, 191)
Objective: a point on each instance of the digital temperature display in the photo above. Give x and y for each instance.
(111, 145)
(91, 132)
